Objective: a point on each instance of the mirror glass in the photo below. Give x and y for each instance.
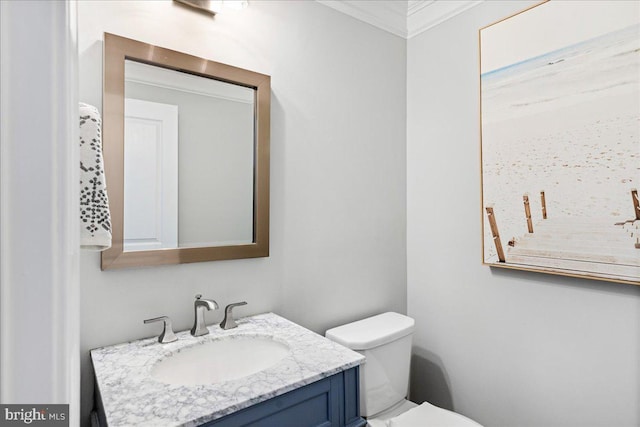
(186, 149)
(188, 160)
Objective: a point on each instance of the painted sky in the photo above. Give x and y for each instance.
(551, 26)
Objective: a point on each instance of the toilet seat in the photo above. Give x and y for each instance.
(425, 415)
(382, 419)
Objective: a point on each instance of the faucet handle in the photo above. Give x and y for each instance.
(228, 322)
(167, 334)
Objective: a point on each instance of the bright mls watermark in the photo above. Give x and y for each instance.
(34, 415)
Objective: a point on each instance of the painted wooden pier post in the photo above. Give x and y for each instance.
(527, 211)
(495, 233)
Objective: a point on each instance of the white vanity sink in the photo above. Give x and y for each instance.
(195, 380)
(220, 360)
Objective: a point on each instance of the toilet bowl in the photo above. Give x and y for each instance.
(385, 341)
(423, 415)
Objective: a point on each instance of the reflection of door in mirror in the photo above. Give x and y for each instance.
(151, 175)
(213, 163)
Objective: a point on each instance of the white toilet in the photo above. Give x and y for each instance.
(385, 341)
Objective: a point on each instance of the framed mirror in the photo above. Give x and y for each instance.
(186, 151)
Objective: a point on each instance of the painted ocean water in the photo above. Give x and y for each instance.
(599, 67)
(566, 122)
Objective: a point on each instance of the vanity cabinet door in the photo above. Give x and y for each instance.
(330, 402)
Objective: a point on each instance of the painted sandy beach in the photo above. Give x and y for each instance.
(566, 122)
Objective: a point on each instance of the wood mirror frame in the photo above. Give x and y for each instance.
(116, 50)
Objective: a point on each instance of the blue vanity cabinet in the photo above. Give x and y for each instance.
(329, 402)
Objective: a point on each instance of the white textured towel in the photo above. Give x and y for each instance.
(95, 221)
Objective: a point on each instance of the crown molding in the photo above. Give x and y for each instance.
(423, 15)
(414, 6)
(404, 18)
(390, 16)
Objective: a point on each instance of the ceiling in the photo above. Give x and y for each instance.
(405, 18)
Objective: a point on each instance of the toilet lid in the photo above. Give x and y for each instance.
(427, 415)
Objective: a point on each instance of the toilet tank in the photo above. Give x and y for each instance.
(385, 341)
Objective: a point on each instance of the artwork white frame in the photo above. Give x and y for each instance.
(560, 140)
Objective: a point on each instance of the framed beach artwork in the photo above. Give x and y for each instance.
(560, 140)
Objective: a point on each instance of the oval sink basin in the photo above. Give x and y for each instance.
(220, 360)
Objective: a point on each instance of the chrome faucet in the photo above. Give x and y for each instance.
(167, 334)
(228, 322)
(199, 305)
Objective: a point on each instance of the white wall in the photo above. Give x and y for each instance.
(338, 210)
(39, 205)
(505, 348)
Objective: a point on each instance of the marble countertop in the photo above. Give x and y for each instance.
(130, 396)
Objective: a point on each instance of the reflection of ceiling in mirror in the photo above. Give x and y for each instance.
(137, 72)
